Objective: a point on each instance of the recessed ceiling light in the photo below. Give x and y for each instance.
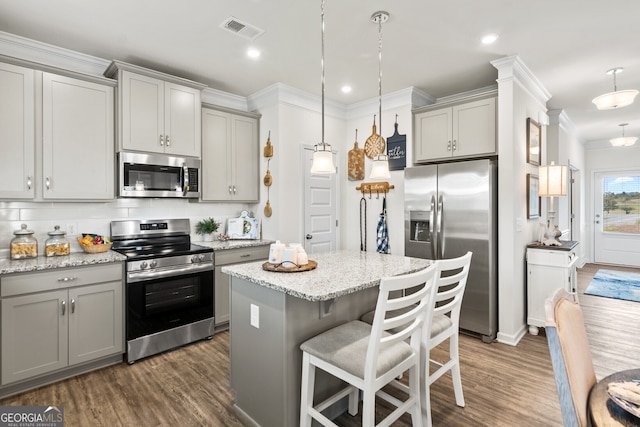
(346, 89)
(253, 53)
(489, 38)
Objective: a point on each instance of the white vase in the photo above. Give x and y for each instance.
(208, 237)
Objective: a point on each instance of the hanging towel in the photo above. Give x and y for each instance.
(383, 234)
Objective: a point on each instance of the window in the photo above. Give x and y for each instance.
(621, 204)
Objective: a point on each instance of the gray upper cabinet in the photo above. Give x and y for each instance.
(17, 132)
(158, 113)
(464, 130)
(77, 139)
(230, 155)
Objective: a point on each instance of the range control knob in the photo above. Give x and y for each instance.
(143, 265)
(194, 259)
(153, 264)
(201, 257)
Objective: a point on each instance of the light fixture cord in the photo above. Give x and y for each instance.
(322, 67)
(380, 79)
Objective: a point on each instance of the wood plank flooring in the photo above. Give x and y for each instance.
(503, 385)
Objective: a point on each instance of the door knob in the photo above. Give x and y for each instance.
(309, 236)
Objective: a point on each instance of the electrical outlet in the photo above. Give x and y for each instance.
(72, 230)
(255, 316)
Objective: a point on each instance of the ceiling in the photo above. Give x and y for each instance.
(434, 46)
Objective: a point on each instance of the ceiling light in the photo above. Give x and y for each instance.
(617, 98)
(346, 89)
(623, 141)
(489, 38)
(380, 168)
(253, 53)
(322, 156)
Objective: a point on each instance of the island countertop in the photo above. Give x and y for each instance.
(337, 274)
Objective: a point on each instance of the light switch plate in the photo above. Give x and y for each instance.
(255, 316)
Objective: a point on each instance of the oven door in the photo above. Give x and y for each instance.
(161, 304)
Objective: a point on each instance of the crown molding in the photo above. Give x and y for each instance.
(280, 93)
(512, 67)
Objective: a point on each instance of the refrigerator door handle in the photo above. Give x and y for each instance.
(432, 235)
(439, 229)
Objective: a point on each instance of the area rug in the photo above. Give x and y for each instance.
(615, 284)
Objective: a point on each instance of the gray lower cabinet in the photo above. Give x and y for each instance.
(60, 319)
(223, 281)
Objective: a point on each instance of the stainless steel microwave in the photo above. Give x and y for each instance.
(158, 175)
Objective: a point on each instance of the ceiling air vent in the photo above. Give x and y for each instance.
(240, 28)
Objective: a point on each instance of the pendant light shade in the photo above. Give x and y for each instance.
(322, 156)
(617, 98)
(380, 167)
(623, 141)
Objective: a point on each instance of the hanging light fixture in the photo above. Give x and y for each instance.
(380, 168)
(617, 98)
(322, 156)
(623, 141)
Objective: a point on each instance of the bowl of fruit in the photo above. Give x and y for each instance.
(94, 243)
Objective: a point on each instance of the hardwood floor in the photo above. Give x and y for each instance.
(503, 385)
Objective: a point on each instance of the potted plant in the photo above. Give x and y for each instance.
(206, 227)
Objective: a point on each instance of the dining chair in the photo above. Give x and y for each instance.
(450, 284)
(570, 356)
(369, 356)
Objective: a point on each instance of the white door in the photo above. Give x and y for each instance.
(320, 207)
(617, 218)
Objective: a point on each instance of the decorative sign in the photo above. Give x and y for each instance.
(397, 150)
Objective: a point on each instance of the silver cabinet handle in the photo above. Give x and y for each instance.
(449, 145)
(73, 305)
(29, 182)
(64, 307)
(67, 279)
(234, 189)
(454, 145)
(309, 236)
(47, 182)
(230, 190)
(245, 255)
(167, 141)
(161, 140)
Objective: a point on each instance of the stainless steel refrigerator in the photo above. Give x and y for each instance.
(451, 208)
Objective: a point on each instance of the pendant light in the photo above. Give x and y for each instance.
(617, 98)
(380, 168)
(322, 156)
(623, 141)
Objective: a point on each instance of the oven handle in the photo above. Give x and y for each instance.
(185, 179)
(141, 276)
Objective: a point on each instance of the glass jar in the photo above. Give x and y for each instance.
(57, 244)
(24, 245)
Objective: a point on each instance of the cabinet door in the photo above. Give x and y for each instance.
(216, 155)
(433, 135)
(77, 139)
(17, 127)
(245, 152)
(221, 297)
(34, 335)
(474, 128)
(142, 113)
(95, 322)
(182, 120)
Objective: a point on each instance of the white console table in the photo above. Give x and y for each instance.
(548, 268)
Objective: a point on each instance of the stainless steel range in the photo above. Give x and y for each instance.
(169, 285)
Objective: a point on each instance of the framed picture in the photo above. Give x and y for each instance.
(534, 142)
(533, 200)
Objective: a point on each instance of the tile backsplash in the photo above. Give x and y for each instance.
(94, 217)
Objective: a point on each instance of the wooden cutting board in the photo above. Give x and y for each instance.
(355, 167)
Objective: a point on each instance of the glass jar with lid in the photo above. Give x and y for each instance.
(57, 244)
(24, 245)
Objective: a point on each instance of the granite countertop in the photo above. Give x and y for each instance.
(338, 273)
(75, 259)
(221, 245)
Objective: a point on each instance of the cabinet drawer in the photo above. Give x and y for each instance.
(234, 256)
(551, 258)
(24, 283)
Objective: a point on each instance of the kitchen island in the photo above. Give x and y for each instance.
(272, 313)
